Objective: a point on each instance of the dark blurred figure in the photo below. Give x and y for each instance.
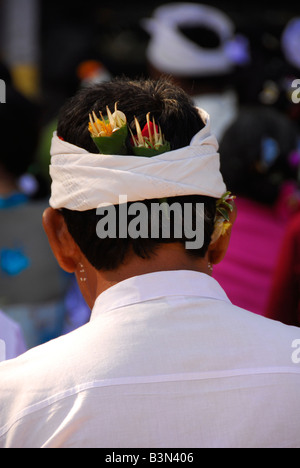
(257, 162)
(275, 64)
(5, 74)
(290, 41)
(31, 285)
(284, 301)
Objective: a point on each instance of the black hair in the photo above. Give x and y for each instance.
(168, 104)
(254, 153)
(179, 120)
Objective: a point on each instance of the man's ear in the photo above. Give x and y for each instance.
(217, 250)
(64, 247)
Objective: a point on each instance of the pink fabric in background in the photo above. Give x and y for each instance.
(246, 272)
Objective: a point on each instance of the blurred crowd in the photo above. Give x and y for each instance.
(242, 67)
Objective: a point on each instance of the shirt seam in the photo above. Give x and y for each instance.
(100, 309)
(140, 380)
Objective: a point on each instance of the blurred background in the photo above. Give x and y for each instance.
(50, 48)
(43, 42)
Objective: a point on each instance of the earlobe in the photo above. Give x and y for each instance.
(65, 249)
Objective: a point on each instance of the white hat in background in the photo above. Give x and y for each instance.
(172, 52)
(290, 42)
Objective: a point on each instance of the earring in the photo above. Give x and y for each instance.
(210, 267)
(82, 278)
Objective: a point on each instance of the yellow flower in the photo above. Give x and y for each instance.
(99, 127)
(222, 223)
(220, 229)
(106, 126)
(225, 226)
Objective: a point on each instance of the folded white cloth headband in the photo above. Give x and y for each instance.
(82, 181)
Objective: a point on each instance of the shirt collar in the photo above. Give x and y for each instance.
(157, 285)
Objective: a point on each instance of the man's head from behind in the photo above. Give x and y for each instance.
(76, 231)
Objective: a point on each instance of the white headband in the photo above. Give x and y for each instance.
(82, 181)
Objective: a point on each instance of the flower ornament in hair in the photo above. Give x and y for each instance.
(109, 133)
(222, 221)
(150, 141)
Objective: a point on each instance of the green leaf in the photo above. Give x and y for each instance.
(224, 213)
(114, 144)
(150, 152)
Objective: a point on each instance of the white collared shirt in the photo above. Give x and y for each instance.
(166, 361)
(11, 336)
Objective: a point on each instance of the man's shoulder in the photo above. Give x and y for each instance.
(49, 363)
(274, 341)
(40, 374)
